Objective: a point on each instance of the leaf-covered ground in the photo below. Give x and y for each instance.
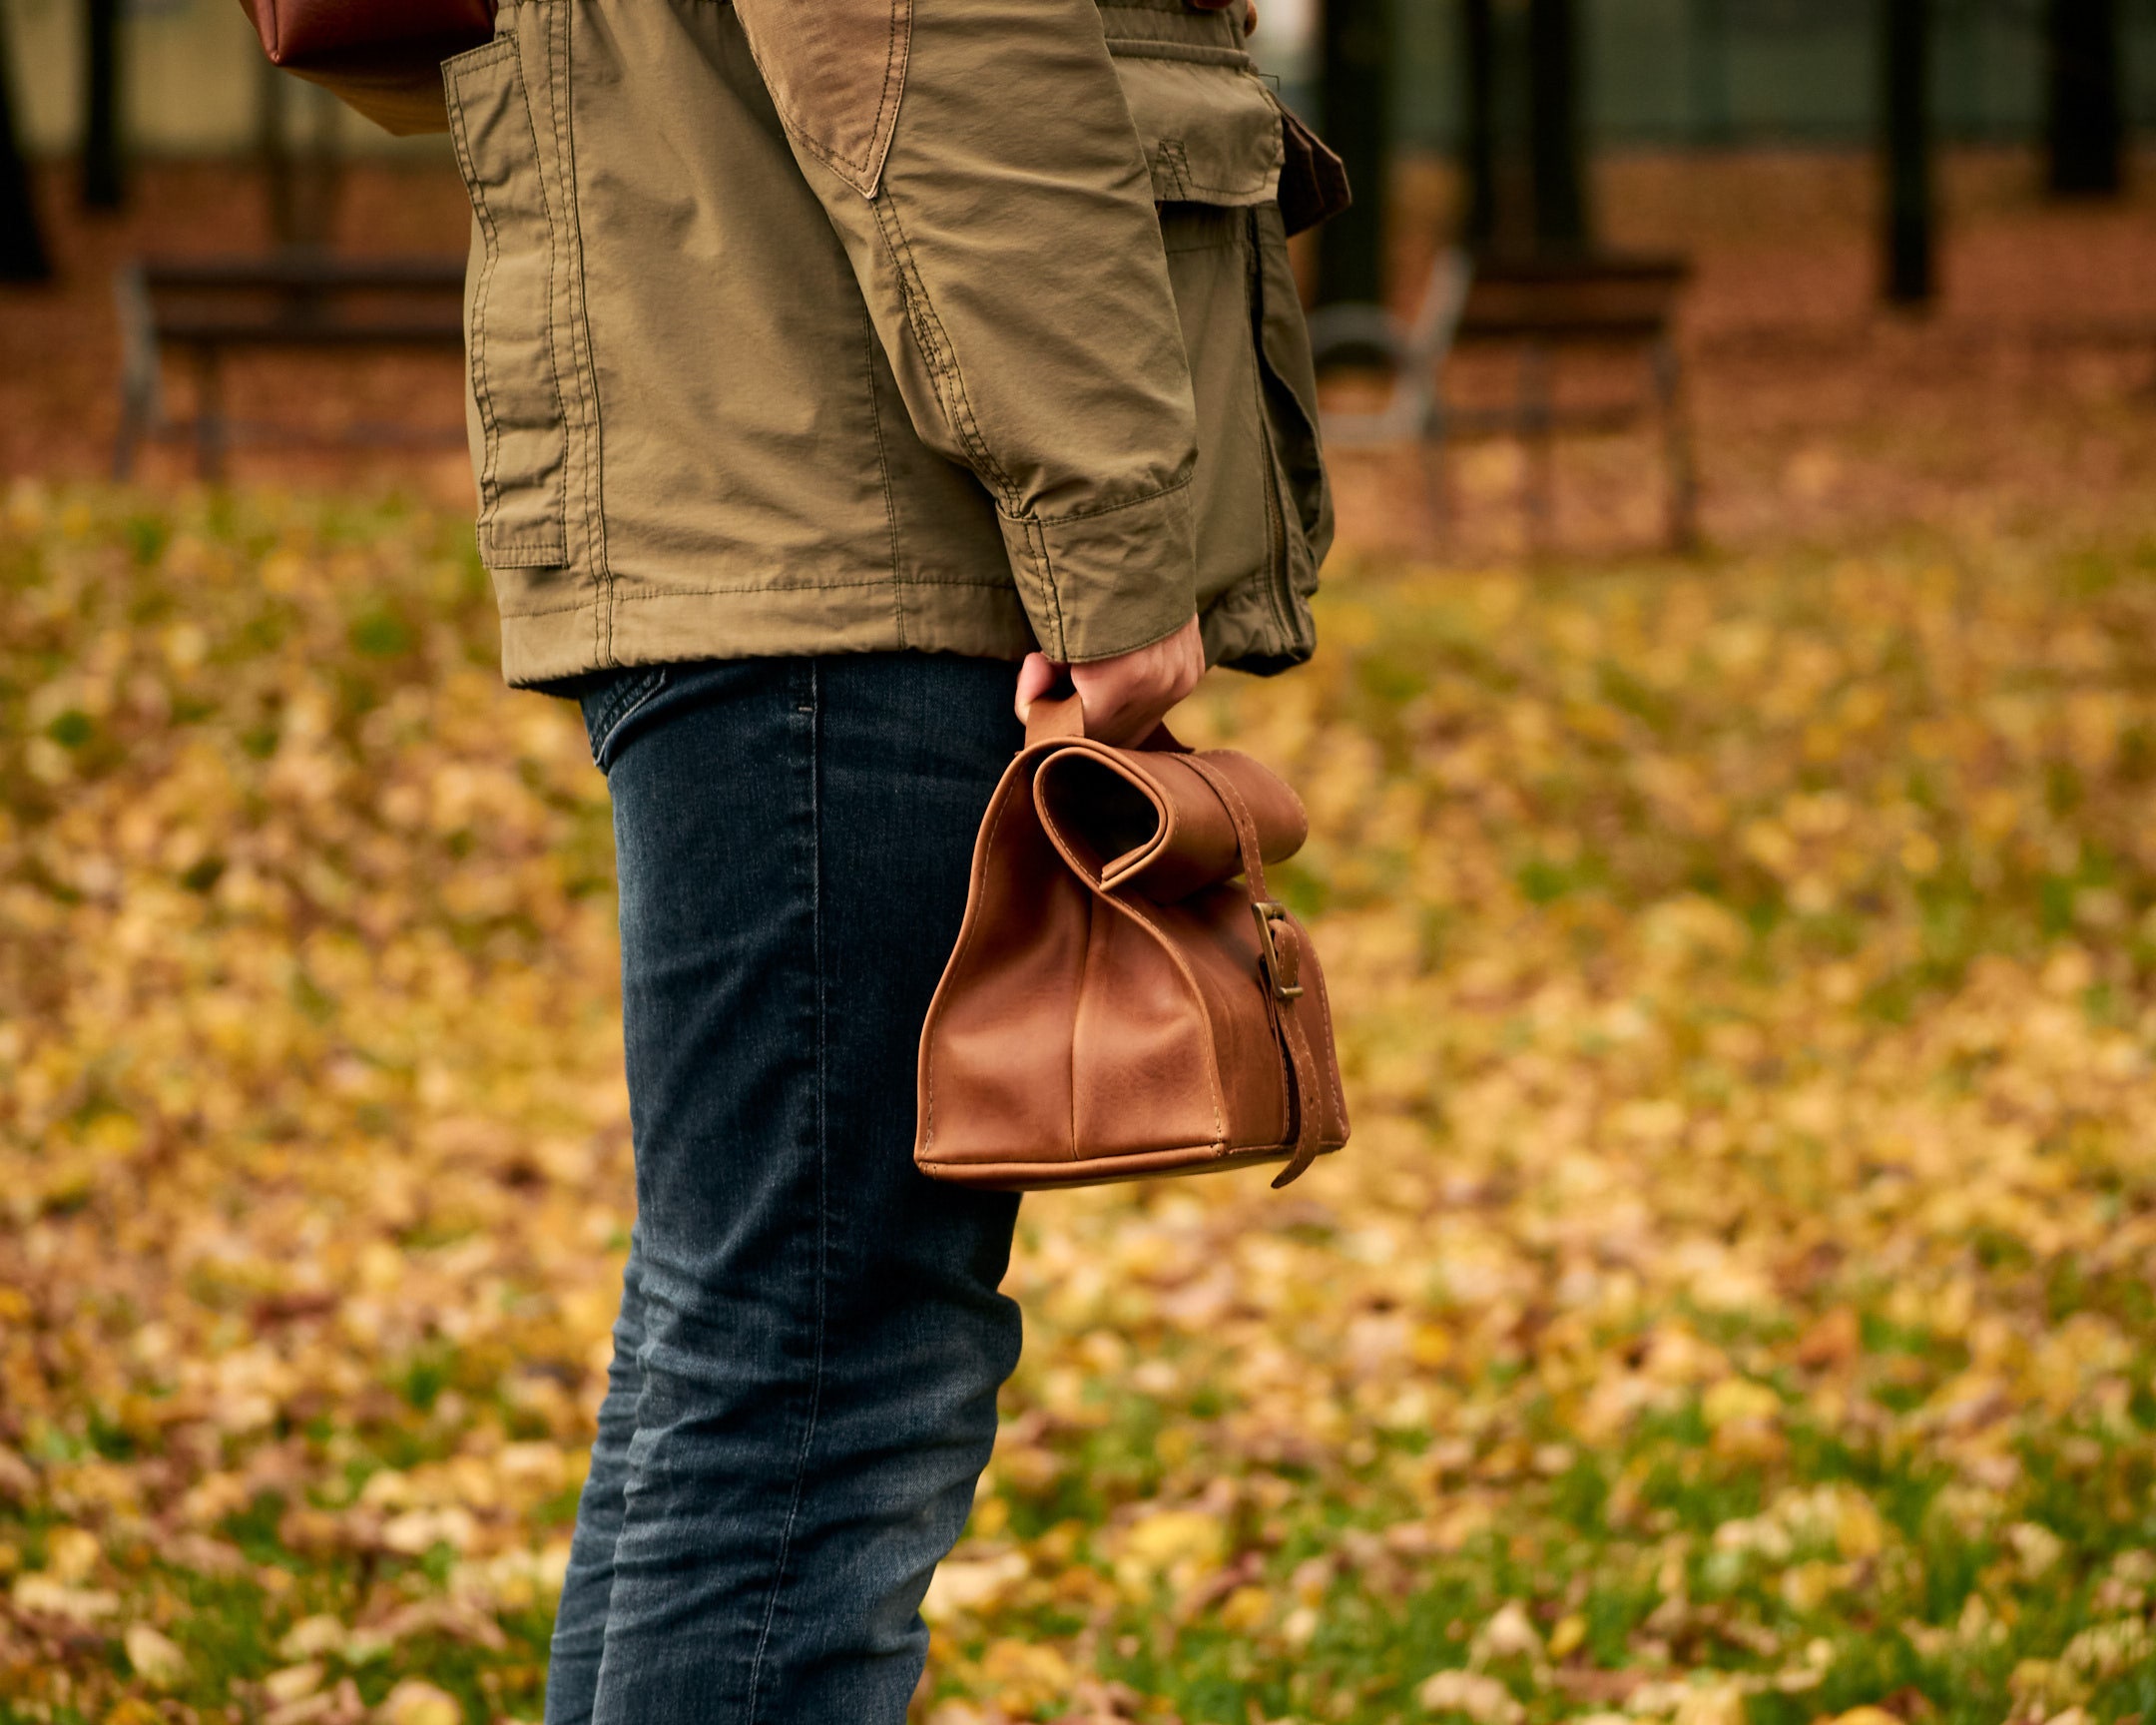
(1737, 1306)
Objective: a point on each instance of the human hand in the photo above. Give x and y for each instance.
(1249, 14)
(1125, 698)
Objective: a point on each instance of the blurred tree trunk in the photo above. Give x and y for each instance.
(1523, 148)
(22, 247)
(2086, 131)
(1355, 96)
(103, 183)
(1905, 149)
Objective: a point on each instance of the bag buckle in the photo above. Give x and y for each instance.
(1269, 911)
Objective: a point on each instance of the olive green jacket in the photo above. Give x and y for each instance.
(951, 325)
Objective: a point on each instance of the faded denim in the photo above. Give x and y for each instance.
(810, 1338)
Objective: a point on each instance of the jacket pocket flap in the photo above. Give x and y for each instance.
(1211, 131)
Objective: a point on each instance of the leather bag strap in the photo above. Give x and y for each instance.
(1055, 719)
(1281, 959)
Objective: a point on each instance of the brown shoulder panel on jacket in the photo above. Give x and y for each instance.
(835, 70)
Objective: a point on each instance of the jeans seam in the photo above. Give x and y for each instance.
(822, 1167)
(630, 696)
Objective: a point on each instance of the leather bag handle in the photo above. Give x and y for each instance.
(1055, 719)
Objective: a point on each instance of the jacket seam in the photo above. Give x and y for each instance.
(482, 393)
(583, 604)
(1137, 646)
(937, 350)
(890, 504)
(1037, 541)
(1190, 53)
(560, 542)
(1169, 490)
(949, 385)
(584, 359)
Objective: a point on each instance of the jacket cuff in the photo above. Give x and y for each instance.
(1109, 581)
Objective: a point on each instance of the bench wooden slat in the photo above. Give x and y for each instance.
(297, 332)
(1543, 305)
(411, 274)
(208, 306)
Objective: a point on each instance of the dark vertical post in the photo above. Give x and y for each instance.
(1478, 115)
(102, 179)
(1523, 149)
(1906, 146)
(1709, 64)
(1556, 138)
(22, 247)
(1356, 99)
(273, 148)
(2085, 126)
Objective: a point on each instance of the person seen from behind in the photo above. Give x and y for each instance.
(843, 378)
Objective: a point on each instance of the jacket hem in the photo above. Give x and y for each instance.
(664, 628)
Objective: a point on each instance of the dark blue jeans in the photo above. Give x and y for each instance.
(811, 1338)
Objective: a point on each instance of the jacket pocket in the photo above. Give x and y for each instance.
(1214, 145)
(520, 435)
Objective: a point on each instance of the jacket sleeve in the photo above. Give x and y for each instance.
(979, 162)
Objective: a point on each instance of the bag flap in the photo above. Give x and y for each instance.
(1143, 819)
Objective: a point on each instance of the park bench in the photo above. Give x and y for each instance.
(210, 308)
(1541, 307)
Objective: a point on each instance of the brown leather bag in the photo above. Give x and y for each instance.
(1125, 999)
(382, 57)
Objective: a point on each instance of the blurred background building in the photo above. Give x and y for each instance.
(1704, 73)
(1705, 185)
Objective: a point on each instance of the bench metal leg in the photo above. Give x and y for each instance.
(127, 439)
(1537, 432)
(1677, 446)
(140, 405)
(211, 435)
(1436, 481)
